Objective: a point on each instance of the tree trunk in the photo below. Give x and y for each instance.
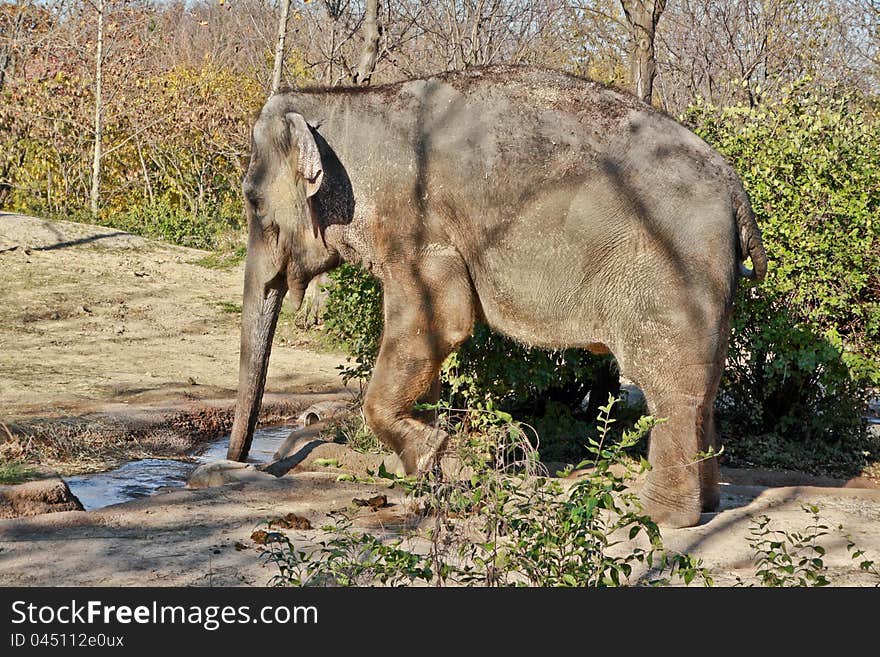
(370, 52)
(642, 17)
(278, 65)
(99, 66)
(5, 58)
(7, 52)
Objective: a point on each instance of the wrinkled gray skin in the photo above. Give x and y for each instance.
(561, 213)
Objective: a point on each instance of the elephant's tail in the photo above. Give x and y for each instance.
(750, 244)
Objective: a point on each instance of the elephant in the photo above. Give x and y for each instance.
(560, 212)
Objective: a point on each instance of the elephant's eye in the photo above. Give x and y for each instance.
(257, 205)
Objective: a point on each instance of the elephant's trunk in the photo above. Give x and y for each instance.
(260, 310)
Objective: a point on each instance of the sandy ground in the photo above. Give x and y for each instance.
(94, 321)
(91, 316)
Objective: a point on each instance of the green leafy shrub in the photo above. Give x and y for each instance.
(490, 370)
(805, 343)
(796, 558)
(15, 472)
(783, 558)
(353, 317)
(169, 222)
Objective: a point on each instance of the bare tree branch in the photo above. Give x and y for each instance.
(370, 53)
(278, 65)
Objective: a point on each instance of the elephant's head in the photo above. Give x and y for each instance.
(286, 186)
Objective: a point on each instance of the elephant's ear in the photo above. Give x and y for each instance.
(309, 157)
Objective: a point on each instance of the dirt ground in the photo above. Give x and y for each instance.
(104, 326)
(203, 537)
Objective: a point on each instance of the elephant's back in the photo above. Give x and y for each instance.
(505, 131)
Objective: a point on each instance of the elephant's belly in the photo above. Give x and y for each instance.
(531, 308)
(566, 295)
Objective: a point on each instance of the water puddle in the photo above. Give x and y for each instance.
(145, 477)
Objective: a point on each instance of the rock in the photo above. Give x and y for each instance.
(297, 446)
(632, 395)
(450, 464)
(218, 473)
(36, 497)
(281, 467)
(393, 465)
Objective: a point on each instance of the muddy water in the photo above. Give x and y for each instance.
(145, 477)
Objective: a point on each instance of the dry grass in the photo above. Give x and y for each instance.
(77, 445)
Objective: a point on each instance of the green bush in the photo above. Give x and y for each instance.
(805, 343)
(796, 558)
(490, 370)
(353, 317)
(173, 223)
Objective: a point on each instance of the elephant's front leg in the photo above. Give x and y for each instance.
(400, 377)
(428, 314)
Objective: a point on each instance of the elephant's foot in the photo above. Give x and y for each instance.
(450, 466)
(669, 516)
(420, 454)
(669, 509)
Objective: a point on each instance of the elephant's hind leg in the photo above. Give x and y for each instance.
(427, 316)
(683, 481)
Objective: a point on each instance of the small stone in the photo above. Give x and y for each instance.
(191, 381)
(298, 522)
(218, 473)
